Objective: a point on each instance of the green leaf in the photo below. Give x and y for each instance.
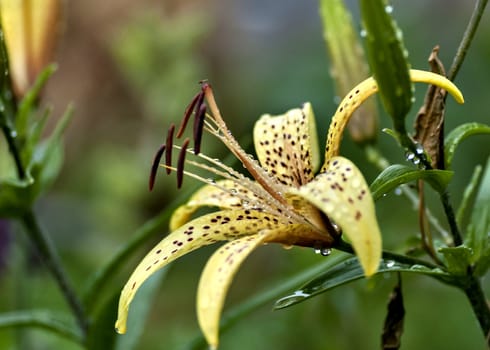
(468, 193)
(348, 271)
(478, 237)
(457, 135)
(58, 324)
(457, 259)
(387, 57)
(29, 102)
(397, 174)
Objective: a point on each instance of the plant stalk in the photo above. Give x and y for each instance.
(49, 256)
(468, 36)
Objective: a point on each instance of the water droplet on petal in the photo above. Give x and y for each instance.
(233, 191)
(211, 181)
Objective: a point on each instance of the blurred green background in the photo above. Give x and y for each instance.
(130, 67)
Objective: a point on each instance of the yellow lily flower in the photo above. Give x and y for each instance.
(285, 202)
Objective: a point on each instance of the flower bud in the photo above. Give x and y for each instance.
(30, 30)
(348, 66)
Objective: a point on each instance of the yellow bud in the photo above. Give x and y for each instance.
(30, 29)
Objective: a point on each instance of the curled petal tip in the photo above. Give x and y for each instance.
(120, 326)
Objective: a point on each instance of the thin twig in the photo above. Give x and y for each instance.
(467, 38)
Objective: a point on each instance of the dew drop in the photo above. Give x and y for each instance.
(233, 191)
(419, 149)
(13, 134)
(326, 251)
(211, 181)
(398, 191)
(390, 263)
(363, 33)
(389, 9)
(416, 161)
(410, 156)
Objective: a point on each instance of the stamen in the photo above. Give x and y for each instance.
(168, 145)
(198, 128)
(154, 166)
(181, 162)
(196, 101)
(258, 173)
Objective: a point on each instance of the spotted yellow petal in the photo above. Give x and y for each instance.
(343, 195)
(207, 229)
(367, 88)
(287, 146)
(216, 280)
(223, 195)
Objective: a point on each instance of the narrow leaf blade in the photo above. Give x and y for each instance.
(397, 174)
(348, 271)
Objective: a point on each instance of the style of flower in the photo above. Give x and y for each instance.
(284, 203)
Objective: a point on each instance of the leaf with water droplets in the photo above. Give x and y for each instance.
(343, 195)
(287, 145)
(397, 174)
(216, 280)
(348, 271)
(387, 58)
(457, 135)
(206, 229)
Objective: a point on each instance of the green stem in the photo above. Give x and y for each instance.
(467, 38)
(476, 297)
(53, 263)
(451, 218)
(9, 136)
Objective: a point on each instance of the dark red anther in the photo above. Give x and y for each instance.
(154, 166)
(198, 128)
(169, 145)
(196, 101)
(180, 163)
